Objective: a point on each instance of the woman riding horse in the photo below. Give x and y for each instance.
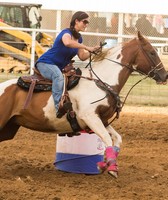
(67, 45)
(95, 99)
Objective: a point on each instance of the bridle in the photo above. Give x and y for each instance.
(154, 67)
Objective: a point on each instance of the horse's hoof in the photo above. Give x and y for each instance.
(100, 170)
(113, 174)
(101, 166)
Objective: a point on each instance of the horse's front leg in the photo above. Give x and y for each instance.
(116, 138)
(111, 152)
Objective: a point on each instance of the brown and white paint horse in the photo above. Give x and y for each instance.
(113, 68)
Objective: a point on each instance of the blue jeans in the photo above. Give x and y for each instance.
(53, 73)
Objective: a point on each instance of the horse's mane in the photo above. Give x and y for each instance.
(101, 55)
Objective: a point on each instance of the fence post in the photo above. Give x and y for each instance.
(33, 51)
(120, 27)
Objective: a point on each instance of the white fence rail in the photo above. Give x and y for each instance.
(162, 46)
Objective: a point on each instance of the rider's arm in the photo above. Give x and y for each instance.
(83, 50)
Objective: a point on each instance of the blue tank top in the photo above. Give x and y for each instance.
(59, 54)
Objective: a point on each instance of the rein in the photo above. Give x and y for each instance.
(105, 87)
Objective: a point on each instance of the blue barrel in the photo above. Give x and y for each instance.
(79, 154)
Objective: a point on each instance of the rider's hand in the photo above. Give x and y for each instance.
(92, 49)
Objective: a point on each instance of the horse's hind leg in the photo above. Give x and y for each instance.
(8, 131)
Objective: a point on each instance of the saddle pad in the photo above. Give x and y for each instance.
(42, 85)
(38, 87)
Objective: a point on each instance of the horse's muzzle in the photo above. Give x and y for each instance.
(160, 77)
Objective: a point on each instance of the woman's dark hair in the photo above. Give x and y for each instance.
(80, 15)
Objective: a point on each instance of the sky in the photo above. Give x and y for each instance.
(123, 6)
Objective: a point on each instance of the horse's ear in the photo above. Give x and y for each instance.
(140, 36)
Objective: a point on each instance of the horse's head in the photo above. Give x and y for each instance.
(148, 62)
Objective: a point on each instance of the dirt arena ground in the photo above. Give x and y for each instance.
(27, 171)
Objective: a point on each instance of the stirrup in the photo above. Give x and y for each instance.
(71, 117)
(62, 110)
(60, 114)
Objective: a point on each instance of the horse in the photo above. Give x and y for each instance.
(95, 99)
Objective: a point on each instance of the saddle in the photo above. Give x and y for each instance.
(37, 83)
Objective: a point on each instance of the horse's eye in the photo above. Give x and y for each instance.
(153, 53)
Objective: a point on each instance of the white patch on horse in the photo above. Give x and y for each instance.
(59, 125)
(5, 84)
(116, 68)
(134, 67)
(49, 109)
